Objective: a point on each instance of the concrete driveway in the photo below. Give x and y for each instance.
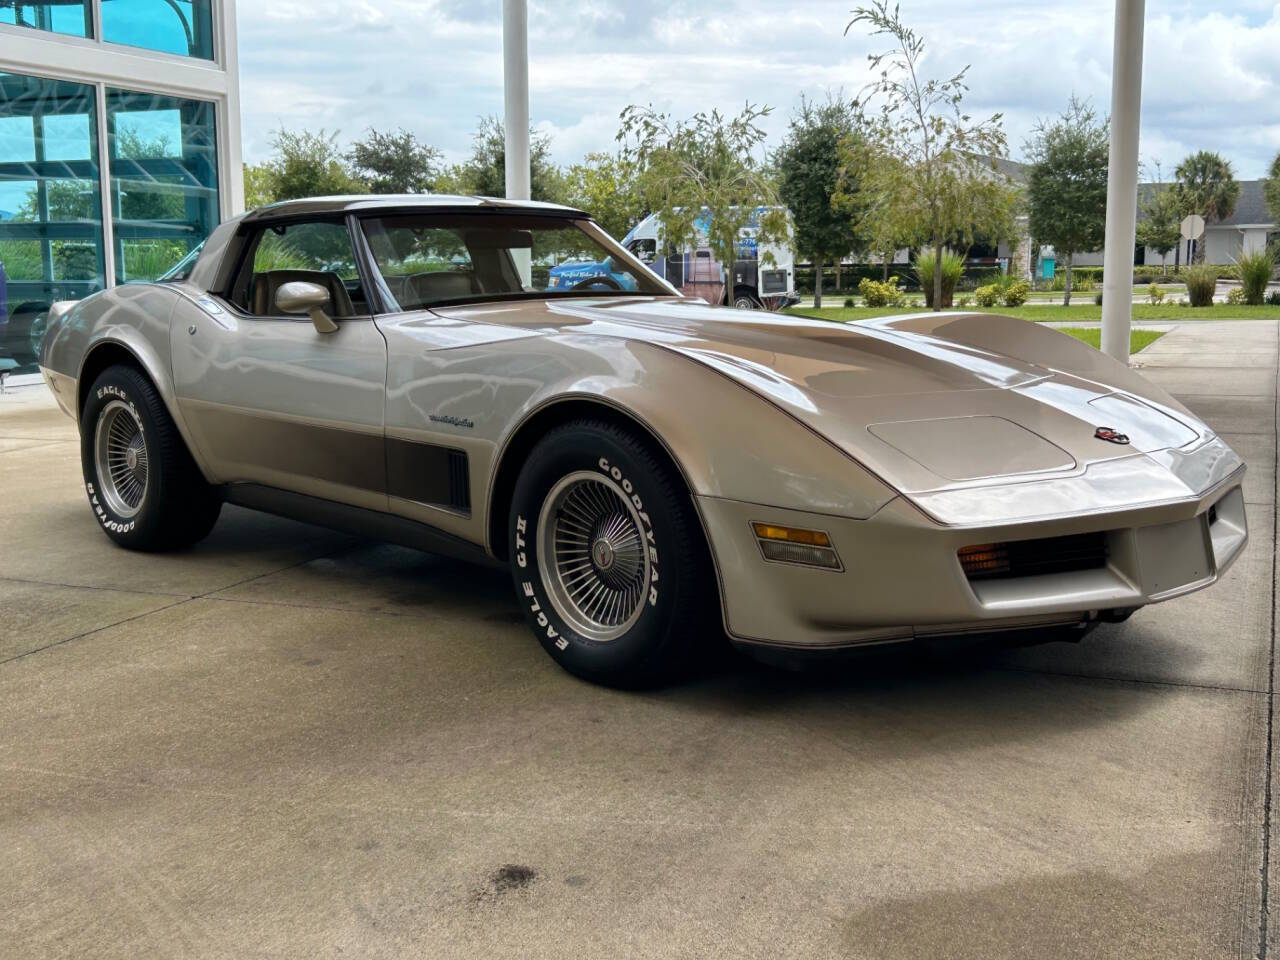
(287, 743)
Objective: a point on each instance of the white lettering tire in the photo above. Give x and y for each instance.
(145, 490)
(608, 557)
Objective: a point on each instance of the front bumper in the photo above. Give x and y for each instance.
(902, 578)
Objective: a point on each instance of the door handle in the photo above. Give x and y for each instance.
(192, 329)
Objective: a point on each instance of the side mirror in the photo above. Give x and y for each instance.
(299, 296)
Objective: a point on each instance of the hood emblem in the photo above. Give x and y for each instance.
(1111, 435)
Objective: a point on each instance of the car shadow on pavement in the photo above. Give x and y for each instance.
(912, 699)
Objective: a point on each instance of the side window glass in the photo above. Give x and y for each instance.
(316, 252)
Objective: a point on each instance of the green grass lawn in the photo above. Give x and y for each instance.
(1138, 339)
(1077, 311)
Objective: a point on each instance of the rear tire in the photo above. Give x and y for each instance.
(745, 300)
(143, 486)
(608, 557)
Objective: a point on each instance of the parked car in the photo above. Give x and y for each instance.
(650, 469)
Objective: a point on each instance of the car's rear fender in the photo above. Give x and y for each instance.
(126, 324)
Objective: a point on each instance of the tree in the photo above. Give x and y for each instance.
(310, 164)
(394, 162)
(485, 173)
(1271, 189)
(259, 185)
(809, 166)
(701, 177)
(873, 193)
(1160, 224)
(1067, 183)
(1208, 186)
(604, 185)
(950, 186)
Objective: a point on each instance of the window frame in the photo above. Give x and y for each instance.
(247, 246)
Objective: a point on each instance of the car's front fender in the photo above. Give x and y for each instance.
(727, 441)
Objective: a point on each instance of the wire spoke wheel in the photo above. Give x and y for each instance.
(592, 555)
(120, 453)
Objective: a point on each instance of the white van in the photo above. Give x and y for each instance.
(696, 272)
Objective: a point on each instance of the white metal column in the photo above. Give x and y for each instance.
(1122, 178)
(230, 163)
(515, 114)
(515, 82)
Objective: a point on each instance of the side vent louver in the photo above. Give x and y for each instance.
(459, 480)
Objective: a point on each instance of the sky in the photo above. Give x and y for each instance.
(1211, 77)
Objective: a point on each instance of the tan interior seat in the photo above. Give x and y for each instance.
(441, 285)
(265, 285)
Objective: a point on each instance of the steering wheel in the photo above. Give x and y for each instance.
(604, 282)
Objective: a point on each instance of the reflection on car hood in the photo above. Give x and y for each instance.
(924, 412)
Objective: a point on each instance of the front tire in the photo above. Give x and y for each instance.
(143, 486)
(608, 558)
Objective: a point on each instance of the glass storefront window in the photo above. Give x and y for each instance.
(71, 17)
(172, 26)
(164, 180)
(51, 240)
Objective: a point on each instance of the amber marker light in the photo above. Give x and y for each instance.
(807, 548)
(984, 559)
(812, 538)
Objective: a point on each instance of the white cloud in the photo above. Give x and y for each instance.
(1211, 78)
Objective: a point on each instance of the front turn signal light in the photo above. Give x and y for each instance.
(808, 548)
(812, 538)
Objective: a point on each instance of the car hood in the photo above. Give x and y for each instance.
(924, 413)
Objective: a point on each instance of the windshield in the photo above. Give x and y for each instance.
(431, 259)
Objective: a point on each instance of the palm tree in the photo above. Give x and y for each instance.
(1207, 186)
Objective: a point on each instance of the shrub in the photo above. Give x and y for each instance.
(1202, 280)
(1255, 273)
(1236, 296)
(1015, 294)
(965, 301)
(1150, 274)
(848, 303)
(1155, 294)
(850, 276)
(1082, 280)
(880, 294)
(1273, 298)
(952, 268)
(987, 296)
(1098, 298)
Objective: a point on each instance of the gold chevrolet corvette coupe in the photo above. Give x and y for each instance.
(504, 383)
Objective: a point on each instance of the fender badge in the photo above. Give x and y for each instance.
(1111, 435)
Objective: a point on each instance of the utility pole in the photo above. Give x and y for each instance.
(1122, 178)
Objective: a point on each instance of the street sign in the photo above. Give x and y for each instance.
(1192, 227)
